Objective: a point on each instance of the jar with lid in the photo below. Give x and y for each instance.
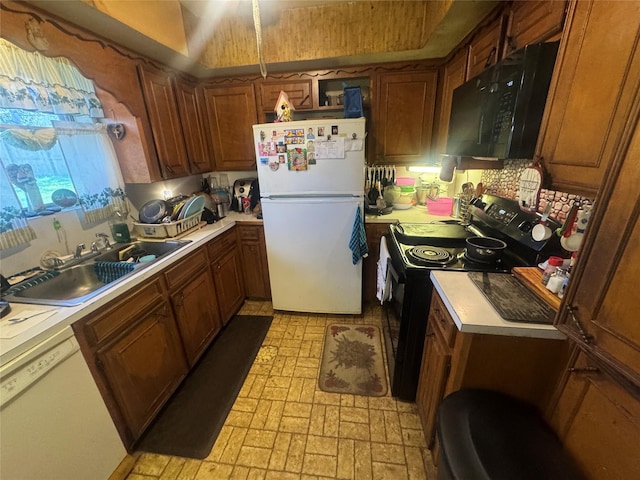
(555, 281)
(552, 264)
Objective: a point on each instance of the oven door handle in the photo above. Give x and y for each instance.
(392, 271)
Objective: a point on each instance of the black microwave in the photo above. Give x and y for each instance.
(497, 114)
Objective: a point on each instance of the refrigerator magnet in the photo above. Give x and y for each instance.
(273, 166)
(311, 156)
(321, 131)
(334, 130)
(281, 158)
(297, 158)
(264, 160)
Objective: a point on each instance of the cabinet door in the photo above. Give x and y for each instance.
(434, 371)
(227, 276)
(200, 160)
(197, 314)
(254, 261)
(596, 76)
(485, 48)
(298, 91)
(404, 119)
(159, 97)
(230, 114)
(601, 294)
(454, 75)
(144, 366)
(598, 423)
(533, 22)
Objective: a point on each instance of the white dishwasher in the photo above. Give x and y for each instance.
(53, 421)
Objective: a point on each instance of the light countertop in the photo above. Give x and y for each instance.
(472, 313)
(39, 328)
(415, 214)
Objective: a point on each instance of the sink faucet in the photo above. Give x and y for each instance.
(105, 239)
(79, 249)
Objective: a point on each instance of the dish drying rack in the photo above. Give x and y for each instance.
(169, 229)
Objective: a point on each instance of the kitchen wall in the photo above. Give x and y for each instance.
(505, 183)
(73, 230)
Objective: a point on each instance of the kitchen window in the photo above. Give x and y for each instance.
(54, 152)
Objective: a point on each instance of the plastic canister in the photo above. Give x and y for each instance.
(552, 264)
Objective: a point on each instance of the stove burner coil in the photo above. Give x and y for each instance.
(429, 255)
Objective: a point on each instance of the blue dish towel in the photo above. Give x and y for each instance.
(358, 241)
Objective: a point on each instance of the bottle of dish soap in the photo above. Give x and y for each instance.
(119, 227)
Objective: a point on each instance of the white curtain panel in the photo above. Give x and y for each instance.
(93, 167)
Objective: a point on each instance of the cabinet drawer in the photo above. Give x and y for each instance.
(249, 233)
(222, 244)
(125, 310)
(186, 269)
(442, 322)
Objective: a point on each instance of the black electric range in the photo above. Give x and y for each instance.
(417, 249)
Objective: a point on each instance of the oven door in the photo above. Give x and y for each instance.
(393, 311)
(406, 322)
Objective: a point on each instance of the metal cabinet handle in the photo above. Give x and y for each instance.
(584, 370)
(588, 339)
(180, 301)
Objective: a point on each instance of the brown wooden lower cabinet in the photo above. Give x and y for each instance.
(134, 351)
(598, 422)
(194, 302)
(144, 366)
(226, 267)
(255, 266)
(197, 314)
(527, 368)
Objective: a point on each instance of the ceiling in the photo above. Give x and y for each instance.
(218, 37)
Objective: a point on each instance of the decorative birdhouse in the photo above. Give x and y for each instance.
(284, 109)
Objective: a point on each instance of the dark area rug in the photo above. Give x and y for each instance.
(352, 361)
(191, 421)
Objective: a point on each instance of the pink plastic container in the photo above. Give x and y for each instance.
(405, 181)
(442, 206)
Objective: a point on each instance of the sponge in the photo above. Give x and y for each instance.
(124, 253)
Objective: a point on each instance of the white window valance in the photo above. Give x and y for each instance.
(31, 81)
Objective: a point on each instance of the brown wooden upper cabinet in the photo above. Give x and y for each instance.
(159, 96)
(404, 117)
(453, 75)
(485, 47)
(230, 112)
(596, 77)
(298, 91)
(200, 160)
(533, 22)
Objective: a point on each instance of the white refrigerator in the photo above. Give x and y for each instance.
(311, 177)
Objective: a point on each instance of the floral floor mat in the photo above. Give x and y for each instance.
(353, 361)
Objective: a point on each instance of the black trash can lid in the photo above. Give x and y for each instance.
(486, 435)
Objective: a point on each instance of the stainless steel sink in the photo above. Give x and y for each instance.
(78, 283)
(158, 249)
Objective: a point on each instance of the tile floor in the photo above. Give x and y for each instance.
(282, 426)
